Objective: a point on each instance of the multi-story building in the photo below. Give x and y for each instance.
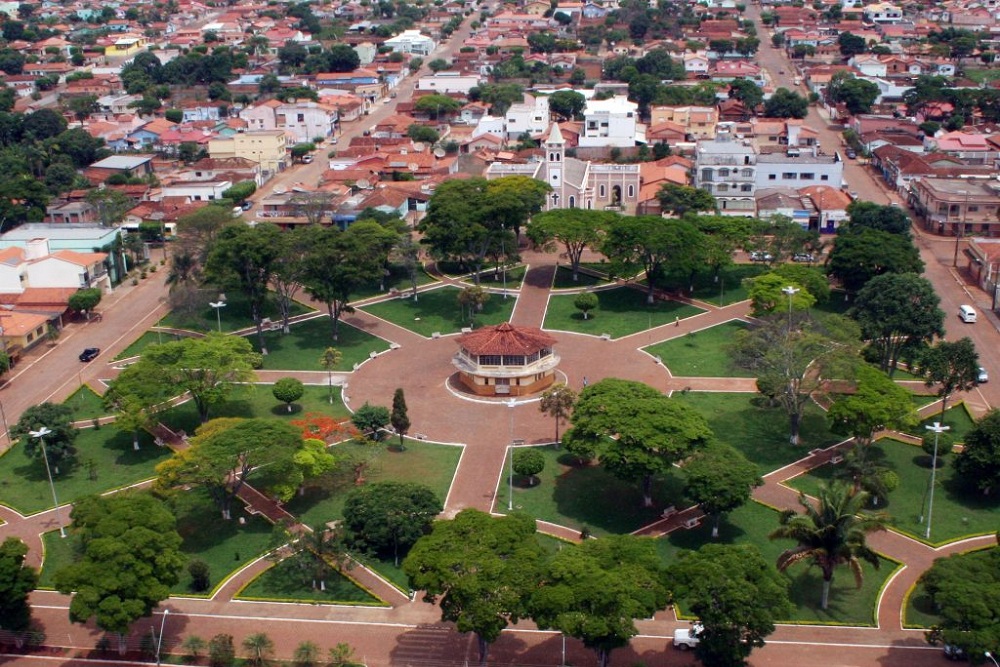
(610, 122)
(411, 41)
(531, 116)
(727, 168)
(265, 147)
(302, 120)
(699, 122)
(798, 168)
(957, 206)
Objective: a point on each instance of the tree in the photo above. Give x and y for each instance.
(681, 199)
(858, 95)
(480, 569)
(240, 191)
(784, 103)
(575, 229)
(343, 58)
(528, 462)
(437, 105)
(831, 532)
(567, 104)
(720, 479)
(791, 362)
(656, 245)
(585, 302)
(898, 314)
(979, 462)
(132, 415)
(869, 215)
(225, 453)
(438, 65)
(259, 648)
(747, 92)
(194, 645)
(58, 419)
(129, 560)
(636, 431)
(221, 652)
(210, 368)
(399, 419)
(243, 258)
(201, 575)
(422, 133)
(595, 591)
(85, 300)
(17, 580)
(306, 654)
(289, 269)
(857, 258)
(876, 404)
(341, 262)
(767, 295)
(371, 419)
(474, 298)
(963, 591)
(389, 517)
(735, 594)
(851, 44)
(952, 366)
(557, 402)
(329, 361)
(288, 390)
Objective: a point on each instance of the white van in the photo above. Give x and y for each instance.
(967, 314)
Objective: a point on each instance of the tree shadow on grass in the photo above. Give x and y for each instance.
(281, 410)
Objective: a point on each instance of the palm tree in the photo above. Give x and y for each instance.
(184, 270)
(830, 532)
(259, 648)
(328, 361)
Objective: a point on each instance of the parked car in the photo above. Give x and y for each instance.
(757, 256)
(853, 194)
(246, 205)
(953, 652)
(306, 159)
(803, 257)
(686, 639)
(851, 153)
(982, 376)
(90, 354)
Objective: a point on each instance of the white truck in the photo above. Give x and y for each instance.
(686, 639)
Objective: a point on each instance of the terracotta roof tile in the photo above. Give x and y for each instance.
(506, 339)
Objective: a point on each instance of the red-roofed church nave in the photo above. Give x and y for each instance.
(505, 360)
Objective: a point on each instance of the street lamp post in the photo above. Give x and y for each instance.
(218, 305)
(40, 434)
(937, 429)
(159, 642)
(510, 477)
(790, 291)
(6, 429)
(990, 656)
(961, 229)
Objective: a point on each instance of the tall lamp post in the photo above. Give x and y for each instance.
(510, 476)
(961, 230)
(40, 434)
(937, 429)
(218, 305)
(159, 642)
(990, 656)
(790, 291)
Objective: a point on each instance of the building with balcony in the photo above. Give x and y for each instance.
(505, 360)
(957, 206)
(727, 168)
(610, 122)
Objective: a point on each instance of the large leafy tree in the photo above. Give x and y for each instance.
(869, 215)
(785, 103)
(636, 431)
(129, 560)
(723, 234)
(830, 532)
(682, 199)
(877, 403)
(575, 229)
(655, 245)
(568, 104)
(899, 315)
(341, 262)
(289, 268)
(979, 462)
(965, 591)
(596, 590)
(951, 367)
(17, 580)
(557, 402)
(747, 92)
(791, 362)
(209, 368)
(736, 595)
(480, 569)
(767, 296)
(720, 479)
(226, 452)
(59, 444)
(389, 517)
(243, 258)
(857, 258)
(858, 95)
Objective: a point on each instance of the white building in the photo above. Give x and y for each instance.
(883, 12)
(302, 121)
(196, 190)
(448, 82)
(411, 41)
(531, 116)
(366, 52)
(610, 122)
(34, 265)
(727, 168)
(798, 168)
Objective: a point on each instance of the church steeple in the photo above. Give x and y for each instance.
(555, 149)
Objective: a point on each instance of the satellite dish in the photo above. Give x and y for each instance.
(439, 152)
(418, 146)
(363, 183)
(414, 166)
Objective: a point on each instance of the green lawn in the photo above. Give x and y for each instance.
(578, 496)
(751, 524)
(290, 581)
(564, 279)
(234, 315)
(85, 404)
(701, 353)
(957, 513)
(397, 279)
(105, 460)
(981, 75)
(761, 433)
(620, 312)
(957, 417)
(301, 349)
(492, 277)
(727, 289)
(225, 545)
(142, 342)
(835, 305)
(258, 401)
(438, 311)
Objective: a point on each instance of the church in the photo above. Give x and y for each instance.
(577, 183)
